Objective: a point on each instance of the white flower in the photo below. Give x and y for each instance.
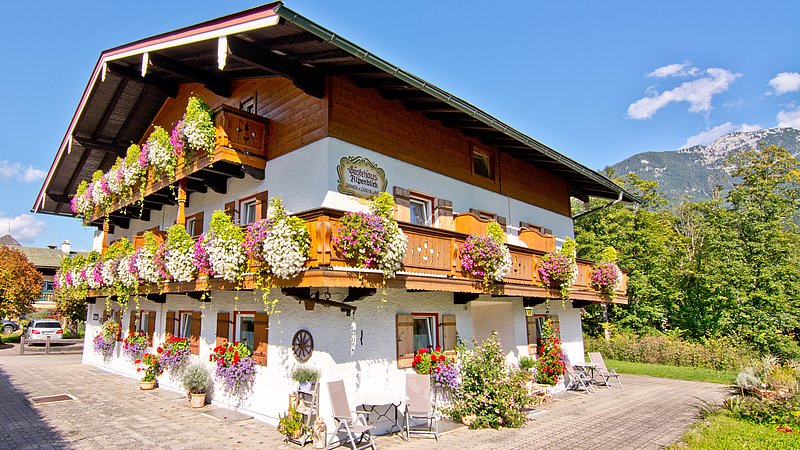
(227, 256)
(199, 134)
(146, 265)
(391, 260)
(124, 274)
(109, 272)
(283, 252)
(180, 264)
(504, 265)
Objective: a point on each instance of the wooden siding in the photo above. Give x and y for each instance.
(362, 117)
(296, 119)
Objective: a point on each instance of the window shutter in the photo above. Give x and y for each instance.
(402, 210)
(449, 334)
(230, 209)
(194, 338)
(531, 325)
(151, 327)
(261, 338)
(444, 214)
(132, 323)
(169, 328)
(105, 316)
(405, 340)
(198, 224)
(223, 325)
(262, 202)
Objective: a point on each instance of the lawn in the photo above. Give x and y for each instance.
(719, 431)
(675, 372)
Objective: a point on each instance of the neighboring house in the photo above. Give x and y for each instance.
(319, 109)
(47, 261)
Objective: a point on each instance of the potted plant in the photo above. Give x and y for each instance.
(152, 369)
(305, 377)
(195, 381)
(291, 425)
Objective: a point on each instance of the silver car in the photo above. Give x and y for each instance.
(38, 330)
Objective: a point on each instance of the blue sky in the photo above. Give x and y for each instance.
(596, 81)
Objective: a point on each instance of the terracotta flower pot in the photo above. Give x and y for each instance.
(147, 385)
(467, 420)
(198, 400)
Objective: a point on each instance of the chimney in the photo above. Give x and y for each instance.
(65, 247)
(52, 246)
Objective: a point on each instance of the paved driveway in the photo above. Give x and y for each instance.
(110, 412)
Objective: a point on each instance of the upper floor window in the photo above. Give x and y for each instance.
(482, 164)
(248, 105)
(47, 286)
(420, 209)
(247, 212)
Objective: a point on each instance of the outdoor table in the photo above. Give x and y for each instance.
(382, 404)
(586, 366)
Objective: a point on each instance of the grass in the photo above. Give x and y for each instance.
(720, 431)
(674, 372)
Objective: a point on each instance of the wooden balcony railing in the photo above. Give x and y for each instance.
(432, 262)
(240, 147)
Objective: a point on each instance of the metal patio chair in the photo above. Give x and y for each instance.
(419, 406)
(574, 379)
(597, 359)
(353, 422)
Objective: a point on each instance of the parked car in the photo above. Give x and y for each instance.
(9, 326)
(38, 330)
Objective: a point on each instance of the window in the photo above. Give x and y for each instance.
(482, 164)
(248, 105)
(247, 211)
(190, 224)
(424, 331)
(144, 321)
(420, 208)
(47, 286)
(245, 329)
(185, 325)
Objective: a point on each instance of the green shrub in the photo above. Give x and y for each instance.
(670, 349)
(776, 411)
(196, 379)
(527, 363)
(490, 390)
(305, 374)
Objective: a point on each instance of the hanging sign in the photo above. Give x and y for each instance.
(360, 177)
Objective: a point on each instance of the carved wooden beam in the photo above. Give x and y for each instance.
(214, 82)
(307, 79)
(167, 87)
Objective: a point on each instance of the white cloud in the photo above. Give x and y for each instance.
(709, 136)
(785, 82)
(27, 174)
(789, 118)
(698, 93)
(24, 227)
(675, 70)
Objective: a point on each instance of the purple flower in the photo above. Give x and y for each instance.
(176, 138)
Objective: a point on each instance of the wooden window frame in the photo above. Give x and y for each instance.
(197, 217)
(435, 328)
(240, 210)
(491, 160)
(254, 99)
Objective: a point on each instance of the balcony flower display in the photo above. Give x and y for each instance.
(373, 240)
(223, 245)
(606, 275)
(198, 126)
(280, 243)
(559, 270)
(487, 257)
(149, 262)
(160, 153)
(235, 368)
(101, 193)
(179, 256)
(200, 257)
(134, 345)
(175, 354)
(176, 138)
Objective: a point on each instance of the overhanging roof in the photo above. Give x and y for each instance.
(119, 103)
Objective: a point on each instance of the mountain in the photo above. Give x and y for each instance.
(695, 171)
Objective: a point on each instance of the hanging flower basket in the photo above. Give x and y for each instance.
(606, 278)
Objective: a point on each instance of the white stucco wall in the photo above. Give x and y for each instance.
(370, 370)
(307, 179)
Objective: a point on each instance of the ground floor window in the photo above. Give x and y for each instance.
(245, 329)
(424, 331)
(185, 325)
(144, 320)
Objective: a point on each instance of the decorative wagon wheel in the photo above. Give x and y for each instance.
(302, 345)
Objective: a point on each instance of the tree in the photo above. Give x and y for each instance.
(20, 283)
(73, 309)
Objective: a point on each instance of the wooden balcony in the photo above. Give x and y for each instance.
(240, 149)
(432, 263)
